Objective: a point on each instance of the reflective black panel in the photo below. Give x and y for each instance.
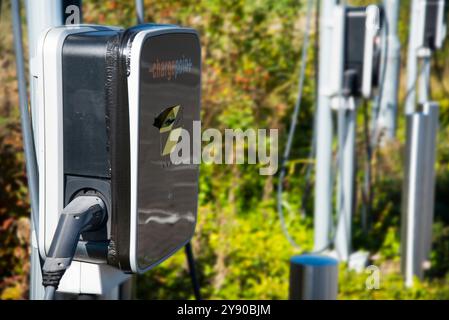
(169, 100)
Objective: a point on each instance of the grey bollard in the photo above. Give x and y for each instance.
(418, 191)
(432, 110)
(412, 238)
(313, 277)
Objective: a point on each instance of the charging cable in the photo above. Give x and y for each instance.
(84, 213)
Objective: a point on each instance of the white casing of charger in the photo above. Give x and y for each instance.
(81, 277)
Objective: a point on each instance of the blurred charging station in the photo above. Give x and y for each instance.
(354, 72)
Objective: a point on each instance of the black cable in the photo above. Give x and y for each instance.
(192, 271)
(367, 195)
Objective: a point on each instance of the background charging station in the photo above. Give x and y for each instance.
(354, 74)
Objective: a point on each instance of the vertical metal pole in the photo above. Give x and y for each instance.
(29, 148)
(389, 98)
(346, 160)
(323, 185)
(140, 12)
(412, 58)
(424, 80)
(413, 217)
(40, 16)
(431, 110)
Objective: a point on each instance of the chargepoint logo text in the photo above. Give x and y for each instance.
(170, 69)
(261, 146)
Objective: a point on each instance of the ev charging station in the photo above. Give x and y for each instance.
(427, 34)
(112, 108)
(108, 106)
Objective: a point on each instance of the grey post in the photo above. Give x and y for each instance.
(389, 98)
(431, 110)
(419, 179)
(414, 222)
(424, 80)
(313, 277)
(323, 176)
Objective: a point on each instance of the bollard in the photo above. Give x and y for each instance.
(418, 191)
(412, 254)
(432, 110)
(313, 277)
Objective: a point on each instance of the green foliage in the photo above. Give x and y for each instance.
(238, 258)
(352, 286)
(14, 227)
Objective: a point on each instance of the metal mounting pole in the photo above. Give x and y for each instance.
(389, 99)
(418, 190)
(412, 238)
(424, 79)
(412, 58)
(430, 109)
(40, 16)
(28, 146)
(323, 179)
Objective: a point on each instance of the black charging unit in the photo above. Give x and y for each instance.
(111, 123)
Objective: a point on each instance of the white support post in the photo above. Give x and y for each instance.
(389, 95)
(419, 182)
(430, 109)
(412, 58)
(41, 15)
(418, 191)
(323, 180)
(412, 237)
(424, 80)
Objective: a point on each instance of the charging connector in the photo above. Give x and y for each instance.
(84, 213)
